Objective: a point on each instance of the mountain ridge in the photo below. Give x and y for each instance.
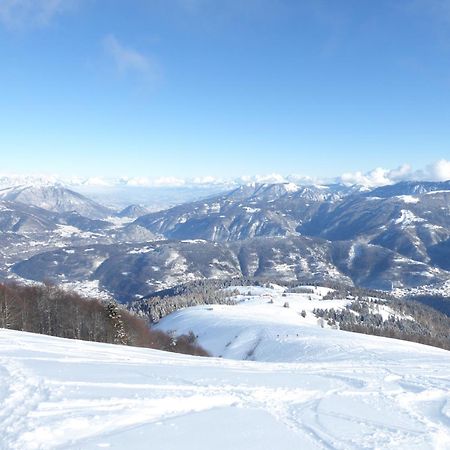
(258, 230)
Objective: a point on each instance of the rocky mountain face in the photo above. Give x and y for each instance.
(410, 188)
(391, 237)
(21, 218)
(413, 226)
(416, 226)
(130, 270)
(26, 229)
(246, 212)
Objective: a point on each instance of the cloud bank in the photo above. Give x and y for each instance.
(437, 171)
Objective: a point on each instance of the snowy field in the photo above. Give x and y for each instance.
(261, 328)
(322, 389)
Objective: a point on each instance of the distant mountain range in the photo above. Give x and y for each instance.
(121, 192)
(415, 226)
(55, 198)
(393, 236)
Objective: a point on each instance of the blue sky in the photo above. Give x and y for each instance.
(187, 88)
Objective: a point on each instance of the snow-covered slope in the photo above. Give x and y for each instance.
(133, 211)
(267, 324)
(55, 198)
(344, 391)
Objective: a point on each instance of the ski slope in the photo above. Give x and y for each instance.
(260, 328)
(353, 392)
(280, 380)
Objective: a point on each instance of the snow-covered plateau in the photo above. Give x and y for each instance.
(305, 387)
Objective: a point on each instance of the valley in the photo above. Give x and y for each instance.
(394, 238)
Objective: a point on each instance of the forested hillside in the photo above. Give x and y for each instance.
(55, 312)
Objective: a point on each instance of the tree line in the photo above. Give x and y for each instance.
(159, 304)
(47, 309)
(412, 321)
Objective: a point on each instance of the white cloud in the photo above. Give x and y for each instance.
(207, 180)
(129, 60)
(169, 181)
(151, 182)
(137, 181)
(97, 181)
(19, 14)
(302, 179)
(376, 177)
(438, 171)
(270, 178)
(401, 173)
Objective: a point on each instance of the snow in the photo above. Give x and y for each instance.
(351, 255)
(440, 289)
(340, 391)
(251, 210)
(89, 289)
(193, 241)
(119, 221)
(3, 208)
(258, 327)
(407, 217)
(213, 208)
(255, 291)
(69, 231)
(408, 198)
(279, 381)
(285, 268)
(441, 191)
(141, 250)
(386, 312)
(291, 187)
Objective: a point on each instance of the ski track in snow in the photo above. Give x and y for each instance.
(58, 393)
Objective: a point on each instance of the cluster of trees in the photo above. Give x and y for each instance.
(412, 322)
(356, 292)
(155, 307)
(338, 289)
(300, 290)
(306, 286)
(55, 312)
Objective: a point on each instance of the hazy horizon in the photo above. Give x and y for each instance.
(437, 171)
